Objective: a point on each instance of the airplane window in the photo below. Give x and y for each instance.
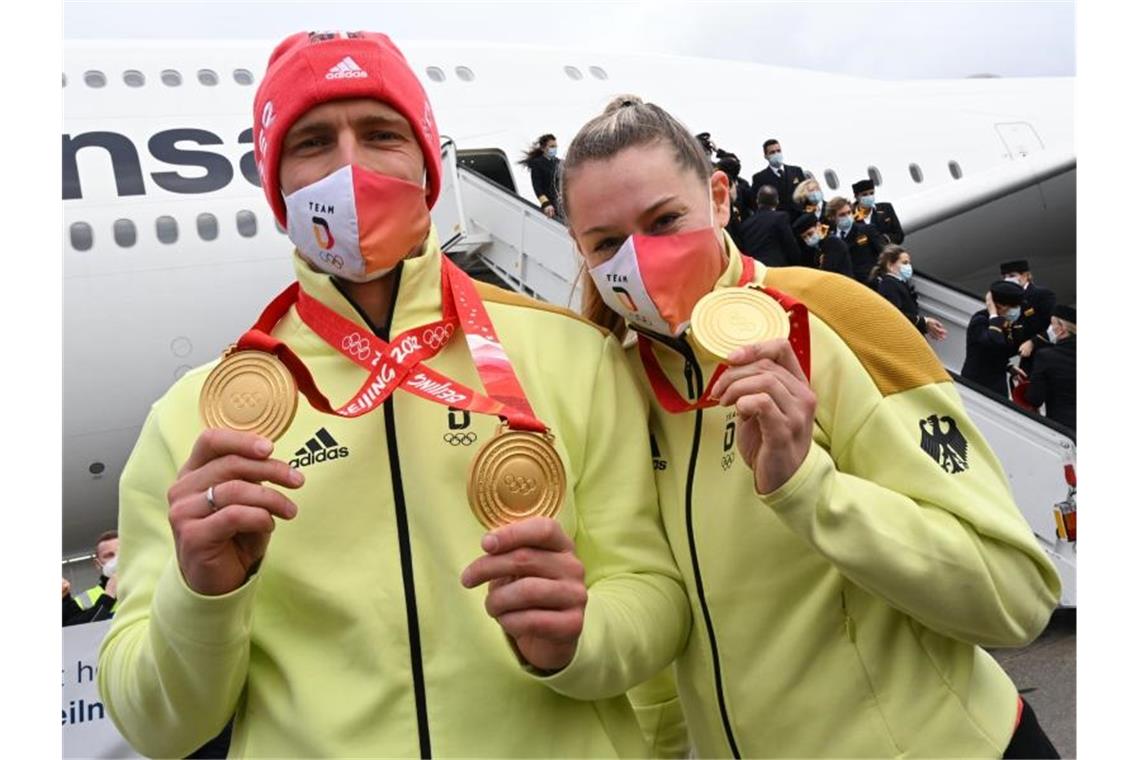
(166, 228)
(916, 172)
(243, 76)
(599, 72)
(436, 74)
(171, 78)
(955, 170)
(832, 179)
(94, 78)
(96, 468)
(874, 175)
(246, 223)
(133, 78)
(207, 77)
(207, 226)
(464, 73)
(81, 237)
(572, 72)
(125, 234)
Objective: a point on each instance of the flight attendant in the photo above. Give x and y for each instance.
(375, 598)
(847, 537)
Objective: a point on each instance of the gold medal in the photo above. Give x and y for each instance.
(729, 318)
(249, 391)
(515, 475)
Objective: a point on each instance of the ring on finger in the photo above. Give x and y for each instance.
(210, 499)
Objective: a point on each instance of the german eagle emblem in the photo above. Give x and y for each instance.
(945, 445)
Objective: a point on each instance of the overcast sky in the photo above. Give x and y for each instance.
(889, 40)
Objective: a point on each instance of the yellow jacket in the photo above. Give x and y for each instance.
(355, 637)
(843, 614)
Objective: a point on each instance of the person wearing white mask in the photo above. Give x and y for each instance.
(864, 242)
(1029, 330)
(456, 551)
(891, 278)
(786, 178)
(1053, 381)
(823, 251)
(102, 600)
(989, 338)
(847, 538)
(808, 199)
(881, 216)
(541, 159)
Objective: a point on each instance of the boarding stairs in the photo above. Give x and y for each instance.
(490, 230)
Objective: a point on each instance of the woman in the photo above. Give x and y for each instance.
(541, 159)
(891, 277)
(845, 572)
(808, 198)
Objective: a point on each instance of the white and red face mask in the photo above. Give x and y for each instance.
(655, 281)
(356, 223)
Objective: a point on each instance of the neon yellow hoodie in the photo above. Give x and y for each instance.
(355, 637)
(841, 615)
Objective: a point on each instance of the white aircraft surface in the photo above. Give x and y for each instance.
(170, 250)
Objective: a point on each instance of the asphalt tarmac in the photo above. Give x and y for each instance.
(1046, 676)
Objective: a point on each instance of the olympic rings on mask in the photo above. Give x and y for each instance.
(332, 258)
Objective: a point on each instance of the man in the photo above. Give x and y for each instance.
(102, 597)
(1035, 318)
(784, 177)
(766, 235)
(989, 344)
(365, 630)
(1053, 381)
(864, 242)
(828, 253)
(882, 216)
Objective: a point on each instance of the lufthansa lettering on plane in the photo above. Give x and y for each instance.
(207, 170)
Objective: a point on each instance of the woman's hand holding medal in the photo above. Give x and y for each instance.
(220, 512)
(536, 589)
(775, 409)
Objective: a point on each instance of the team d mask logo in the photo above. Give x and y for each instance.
(322, 233)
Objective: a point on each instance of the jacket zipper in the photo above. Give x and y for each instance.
(404, 538)
(691, 368)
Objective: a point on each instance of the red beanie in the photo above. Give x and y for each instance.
(310, 68)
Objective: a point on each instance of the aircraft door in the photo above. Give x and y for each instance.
(1019, 138)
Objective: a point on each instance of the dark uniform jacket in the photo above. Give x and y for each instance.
(896, 291)
(988, 347)
(1053, 382)
(767, 236)
(542, 173)
(1034, 321)
(832, 256)
(745, 198)
(785, 185)
(886, 221)
(864, 244)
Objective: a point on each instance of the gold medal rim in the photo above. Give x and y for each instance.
(280, 409)
(705, 330)
(481, 494)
